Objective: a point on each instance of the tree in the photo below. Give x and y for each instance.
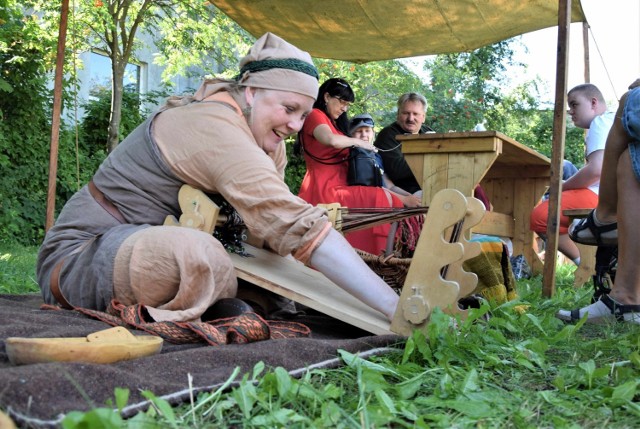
(464, 86)
(377, 85)
(25, 60)
(187, 32)
(471, 87)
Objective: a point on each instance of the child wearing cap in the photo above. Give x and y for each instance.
(361, 127)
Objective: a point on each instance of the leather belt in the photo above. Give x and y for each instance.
(105, 203)
(54, 285)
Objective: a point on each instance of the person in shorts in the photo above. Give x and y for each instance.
(614, 220)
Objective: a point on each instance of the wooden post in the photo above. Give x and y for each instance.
(557, 156)
(585, 45)
(55, 120)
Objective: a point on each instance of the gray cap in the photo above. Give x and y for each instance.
(361, 120)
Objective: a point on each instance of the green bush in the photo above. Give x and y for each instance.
(25, 130)
(296, 168)
(25, 126)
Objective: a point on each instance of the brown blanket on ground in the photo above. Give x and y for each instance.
(40, 395)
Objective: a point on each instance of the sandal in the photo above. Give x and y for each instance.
(585, 231)
(603, 310)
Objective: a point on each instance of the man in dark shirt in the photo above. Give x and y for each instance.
(412, 108)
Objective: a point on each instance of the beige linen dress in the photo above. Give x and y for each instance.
(176, 272)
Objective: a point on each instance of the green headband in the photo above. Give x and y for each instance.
(284, 63)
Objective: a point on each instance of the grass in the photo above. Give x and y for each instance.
(514, 370)
(18, 269)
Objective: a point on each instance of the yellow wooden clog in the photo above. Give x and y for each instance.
(107, 346)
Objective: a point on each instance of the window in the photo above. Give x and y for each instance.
(99, 68)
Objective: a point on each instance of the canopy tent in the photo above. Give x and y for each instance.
(369, 30)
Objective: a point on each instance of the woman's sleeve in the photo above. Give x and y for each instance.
(223, 157)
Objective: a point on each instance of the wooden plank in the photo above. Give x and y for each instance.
(500, 193)
(508, 149)
(502, 171)
(557, 155)
(461, 173)
(291, 279)
(494, 223)
(435, 173)
(415, 162)
(523, 238)
(424, 288)
(449, 145)
(577, 213)
(482, 164)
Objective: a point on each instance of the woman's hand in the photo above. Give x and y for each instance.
(365, 145)
(410, 200)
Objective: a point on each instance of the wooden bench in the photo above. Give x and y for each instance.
(587, 267)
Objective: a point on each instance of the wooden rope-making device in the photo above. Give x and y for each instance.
(435, 277)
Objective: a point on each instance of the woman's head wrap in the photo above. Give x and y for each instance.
(273, 63)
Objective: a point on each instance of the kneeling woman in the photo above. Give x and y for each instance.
(109, 241)
(323, 136)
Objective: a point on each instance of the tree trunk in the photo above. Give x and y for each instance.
(117, 89)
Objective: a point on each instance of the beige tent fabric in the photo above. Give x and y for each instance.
(370, 30)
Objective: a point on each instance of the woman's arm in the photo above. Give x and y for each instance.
(324, 135)
(336, 259)
(408, 199)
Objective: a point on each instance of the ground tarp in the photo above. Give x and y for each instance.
(40, 395)
(370, 30)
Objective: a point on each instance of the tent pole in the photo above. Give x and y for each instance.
(55, 120)
(585, 44)
(557, 156)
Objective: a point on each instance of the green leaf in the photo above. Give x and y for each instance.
(258, 368)
(353, 360)
(5, 86)
(122, 397)
(470, 382)
(245, 396)
(386, 401)
(474, 409)
(625, 391)
(284, 382)
(163, 407)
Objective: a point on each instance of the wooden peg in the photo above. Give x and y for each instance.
(334, 213)
(198, 211)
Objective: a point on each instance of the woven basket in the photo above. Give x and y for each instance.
(391, 269)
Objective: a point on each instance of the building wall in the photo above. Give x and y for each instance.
(150, 75)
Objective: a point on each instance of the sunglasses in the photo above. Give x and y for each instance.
(365, 122)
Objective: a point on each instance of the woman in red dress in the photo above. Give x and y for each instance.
(325, 141)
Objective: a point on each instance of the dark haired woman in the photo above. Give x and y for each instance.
(323, 136)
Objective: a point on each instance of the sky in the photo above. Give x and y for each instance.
(614, 51)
